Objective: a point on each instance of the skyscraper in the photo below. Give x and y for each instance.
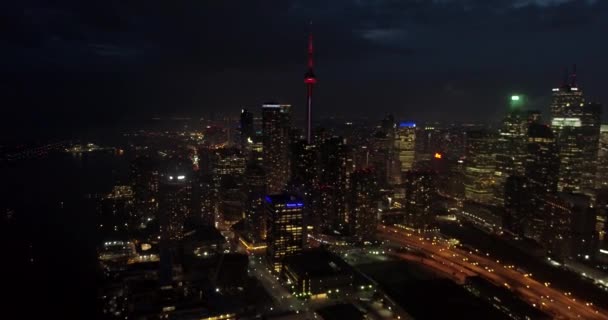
(255, 189)
(310, 80)
(569, 226)
(510, 147)
(542, 161)
(304, 178)
(576, 125)
(332, 183)
(479, 172)
(518, 203)
(276, 122)
(602, 161)
(363, 204)
(303, 162)
(247, 129)
(175, 203)
(284, 228)
(405, 144)
(145, 183)
(428, 141)
(420, 193)
(117, 216)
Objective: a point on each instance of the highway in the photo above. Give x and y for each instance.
(456, 263)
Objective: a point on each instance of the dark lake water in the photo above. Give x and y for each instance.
(48, 231)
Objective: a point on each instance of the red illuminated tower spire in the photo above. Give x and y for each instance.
(309, 80)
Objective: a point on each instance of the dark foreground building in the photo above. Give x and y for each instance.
(318, 274)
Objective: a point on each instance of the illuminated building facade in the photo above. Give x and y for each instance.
(175, 203)
(602, 161)
(576, 125)
(284, 228)
(405, 144)
(332, 168)
(363, 204)
(510, 147)
(229, 162)
(276, 123)
(420, 193)
(428, 141)
(479, 171)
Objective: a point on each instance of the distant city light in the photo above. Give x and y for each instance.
(566, 122)
(438, 155)
(515, 98)
(181, 177)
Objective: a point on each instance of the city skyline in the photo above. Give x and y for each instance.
(443, 159)
(124, 68)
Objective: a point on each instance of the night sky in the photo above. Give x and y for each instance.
(76, 64)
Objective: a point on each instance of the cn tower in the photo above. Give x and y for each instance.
(309, 80)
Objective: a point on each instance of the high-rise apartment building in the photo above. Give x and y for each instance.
(363, 204)
(420, 193)
(145, 183)
(175, 203)
(255, 189)
(332, 166)
(276, 123)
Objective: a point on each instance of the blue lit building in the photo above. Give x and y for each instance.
(284, 228)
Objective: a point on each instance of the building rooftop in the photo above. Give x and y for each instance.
(284, 198)
(341, 311)
(197, 232)
(317, 263)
